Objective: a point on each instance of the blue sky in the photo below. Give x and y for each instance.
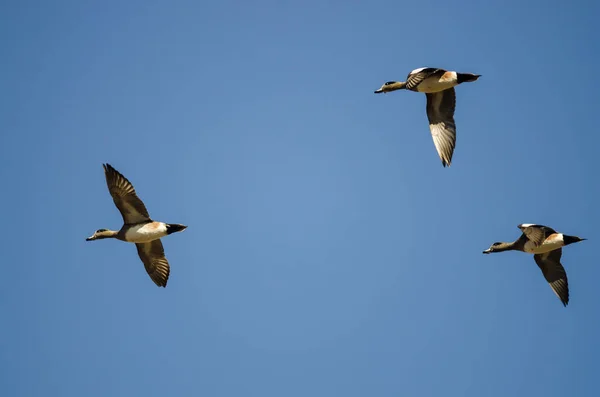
(328, 252)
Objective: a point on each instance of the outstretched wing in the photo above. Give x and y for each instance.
(130, 206)
(554, 273)
(152, 255)
(440, 112)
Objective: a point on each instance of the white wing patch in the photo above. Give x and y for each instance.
(416, 70)
(523, 225)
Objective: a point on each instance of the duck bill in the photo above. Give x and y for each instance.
(379, 91)
(487, 251)
(91, 238)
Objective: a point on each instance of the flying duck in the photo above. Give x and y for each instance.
(546, 245)
(138, 227)
(437, 84)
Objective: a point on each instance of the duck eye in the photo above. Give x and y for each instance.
(100, 230)
(389, 82)
(497, 243)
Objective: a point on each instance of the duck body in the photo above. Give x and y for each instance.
(550, 243)
(540, 239)
(146, 232)
(438, 86)
(143, 232)
(437, 80)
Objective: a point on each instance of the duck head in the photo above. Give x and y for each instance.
(391, 86)
(499, 247)
(102, 233)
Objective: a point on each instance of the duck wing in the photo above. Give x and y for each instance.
(130, 206)
(554, 273)
(415, 77)
(536, 233)
(152, 255)
(440, 112)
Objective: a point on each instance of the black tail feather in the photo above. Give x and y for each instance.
(175, 227)
(572, 239)
(466, 77)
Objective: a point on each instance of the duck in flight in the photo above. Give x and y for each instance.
(138, 227)
(546, 246)
(438, 85)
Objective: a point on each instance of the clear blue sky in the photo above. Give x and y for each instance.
(328, 252)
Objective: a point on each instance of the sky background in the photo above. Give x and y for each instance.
(328, 252)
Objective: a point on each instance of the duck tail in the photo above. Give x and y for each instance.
(572, 239)
(175, 227)
(466, 77)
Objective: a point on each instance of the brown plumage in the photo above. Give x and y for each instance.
(440, 112)
(153, 257)
(128, 203)
(554, 273)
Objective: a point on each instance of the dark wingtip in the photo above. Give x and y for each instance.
(161, 283)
